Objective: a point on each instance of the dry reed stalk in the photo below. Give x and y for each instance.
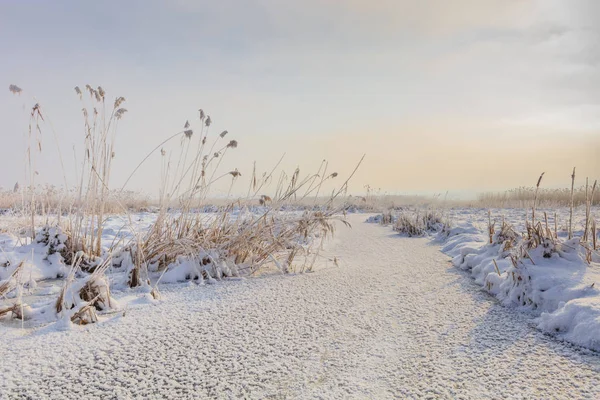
(594, 235)
(571, 206)
(96, 290)
(587, 215)
(6, 286)
(6, 310)
(548, 231)
(523, 197)
(59, 305)
(588, 208)
(535, 198)
(528, 256)
(491, 230)
(16, 309)
(257, 239)
(496, 267)
(100, 127)
(79, 316)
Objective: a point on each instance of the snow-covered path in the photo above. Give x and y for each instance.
(393, 321)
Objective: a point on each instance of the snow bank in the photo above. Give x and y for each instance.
(551, 280)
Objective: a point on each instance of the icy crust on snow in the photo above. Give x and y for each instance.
(555, 284)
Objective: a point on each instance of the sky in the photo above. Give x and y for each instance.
(461, 96)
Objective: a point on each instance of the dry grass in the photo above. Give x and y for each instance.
(227, 244)
(8, 284)
(420, 222)
(52, 200)
(540, 233)
(524, 197)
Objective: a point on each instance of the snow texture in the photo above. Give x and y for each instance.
(556, 284)
(394, 320)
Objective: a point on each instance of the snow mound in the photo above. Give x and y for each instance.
(552, 279)
(577, 321)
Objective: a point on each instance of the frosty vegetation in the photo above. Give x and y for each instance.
(80, 253)
(539, 260)
(81, 244)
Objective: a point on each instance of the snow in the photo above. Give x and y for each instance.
(394, 320)
(557, 284)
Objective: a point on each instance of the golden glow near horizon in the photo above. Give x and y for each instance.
(440, 95)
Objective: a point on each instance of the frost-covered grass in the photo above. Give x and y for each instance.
(533, 267)
(523, 197)
(413, 221)
(68, 258)
(420, 222)
(548, 266)
(52, 200)
(43, 281)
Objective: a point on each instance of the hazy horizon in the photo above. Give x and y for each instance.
(464, 96)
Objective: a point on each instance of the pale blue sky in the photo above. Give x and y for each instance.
(441, 95)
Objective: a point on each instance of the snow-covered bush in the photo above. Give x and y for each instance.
(56, 246)
(420, 222)
(180, 244)
(80, 298)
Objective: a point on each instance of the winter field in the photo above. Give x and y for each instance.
(541, 267)
(292, 289)
(392, 317)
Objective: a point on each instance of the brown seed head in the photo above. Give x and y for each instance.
(15, 89)
(119, 101)
(120, 112)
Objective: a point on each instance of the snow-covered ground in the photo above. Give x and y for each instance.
(556, 281)
(43, 271)
(394, 320)
(36, 271)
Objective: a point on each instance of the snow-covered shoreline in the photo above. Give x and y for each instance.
(38, 274)
(554, 282)
(559, 290)
(371, 327)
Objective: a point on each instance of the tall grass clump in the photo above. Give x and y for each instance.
(420, 222)
(100, 128)
(523, 197)
(235, 240)
(540, 234)
(239, 237)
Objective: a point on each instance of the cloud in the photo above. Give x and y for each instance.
(391, 78)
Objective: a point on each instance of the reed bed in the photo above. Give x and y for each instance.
(240, 236)
(523, 197)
